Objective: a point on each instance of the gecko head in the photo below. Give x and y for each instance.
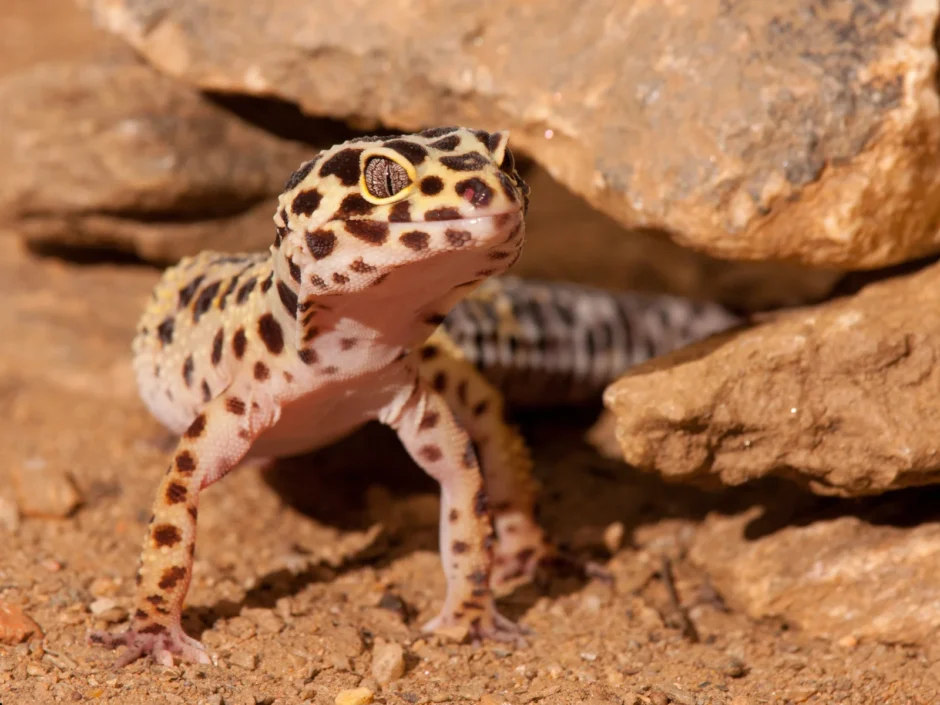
(425, 212)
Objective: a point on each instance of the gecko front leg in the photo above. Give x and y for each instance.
(215, 442)
(436, 441)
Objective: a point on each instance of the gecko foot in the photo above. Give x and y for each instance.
(157, 641)
(491, 625)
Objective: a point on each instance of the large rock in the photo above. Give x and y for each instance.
(838, 577)
(799, 130)
(105, 153)
(841, 397)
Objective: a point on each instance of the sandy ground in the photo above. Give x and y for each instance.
(308, 567)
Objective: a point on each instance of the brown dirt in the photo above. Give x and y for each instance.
(304, 565)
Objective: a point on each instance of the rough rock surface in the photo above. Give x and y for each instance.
(841, 397)
(840, 578)
(810, 130)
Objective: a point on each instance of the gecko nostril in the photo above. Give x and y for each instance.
(475, 190)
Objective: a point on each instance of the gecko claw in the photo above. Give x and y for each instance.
(161, 647)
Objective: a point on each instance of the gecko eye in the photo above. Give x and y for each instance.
(385, 178)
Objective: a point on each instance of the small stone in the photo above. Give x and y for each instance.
(102, 605)
(243, 659)
(613, 536)
(15, 625)
(388, 661)
(215, 699)
(43, 491)
(356, 696)
(848, 642)
(588, 656)
(734, 667)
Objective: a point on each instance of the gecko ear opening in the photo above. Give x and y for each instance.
(385, 176)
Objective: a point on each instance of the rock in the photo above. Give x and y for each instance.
(15, 625)
(388, 661)
(838, 577)
(840, 397)
(93, 161)
(243, 659)
(798, 131)
(44, 491)
(356, 696)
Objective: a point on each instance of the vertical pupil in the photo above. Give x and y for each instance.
(389, 186)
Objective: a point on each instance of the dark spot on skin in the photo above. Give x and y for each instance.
(484, 273)
(480, 502)
(288, 377)
(439, 383)
(317, 281)
(353, 204)
(471, 161)
(481, 408)
(280, 233)
(188, 291)
(170, 577)
(239, 342)
(435, 319)
(508, 187)
(498, 255)
(429, 352)
(344, 165)
(166, 535)
(266, 284)
(185, 462)
(379, 279)
(217, 346)
(453, 516)
(478, 592)
(294, 270)
(300, 174)
(196, 427)
(432, 185)
(245, 290)
(431, 453)
(244, 435)
(155, 600)
(429, 420)
(400, 212)
(204, 300)
(261, 371)
(234, 405)
(471, 605)
(459, 547)
(330, 370)
(308, 356)
(411, 151)
(206, 392)
(442, 214)
(493, 142)
(140, 615)
(152, 629)
(457, 238)
(223, 300)
(433, 132)
(138, 578)
(288, 298)
(446, 144)
(320, 243)
(347, 343)
(340, 278)
(271, 334)
(360, 267)
(188, 366)
(306, 202)
(474, 190)
(373, 232)
(462, 392)
(479, 578)
(165, 330)
(311, 334)
(415, 240)
(193, 513)
(483, 136)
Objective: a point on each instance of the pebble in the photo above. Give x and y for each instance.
(15, 625)
(613, 536)
(388, 661)
(356, 696)
(244, 660)
(734, 667)
(43, 491)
